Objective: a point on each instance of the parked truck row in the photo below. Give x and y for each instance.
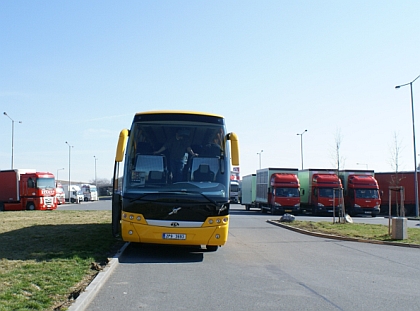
(318, 191)
(79, 193)
(27, 189)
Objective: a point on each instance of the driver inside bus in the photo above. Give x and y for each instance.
(177, 148)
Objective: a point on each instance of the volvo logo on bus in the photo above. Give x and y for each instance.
(174, 211)
(174, 224)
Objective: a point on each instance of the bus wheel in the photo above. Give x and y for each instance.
(30, 206)
(212, 248)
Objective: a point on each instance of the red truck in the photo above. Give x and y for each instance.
(278, 190)
(27, 190)
(400, 179)
(320, 191)
(361, 192)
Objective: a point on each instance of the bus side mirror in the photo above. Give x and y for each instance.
(234, 144)
(122, 142)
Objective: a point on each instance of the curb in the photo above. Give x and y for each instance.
(87, 295)
(337, 237)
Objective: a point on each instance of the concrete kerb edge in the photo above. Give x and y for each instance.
(337, 237)
(87, 295)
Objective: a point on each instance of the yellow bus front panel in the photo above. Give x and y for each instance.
(213, 232)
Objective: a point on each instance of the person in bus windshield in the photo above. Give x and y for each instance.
(177, 148)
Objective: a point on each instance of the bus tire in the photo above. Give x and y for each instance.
(30, 206)
(212, 248)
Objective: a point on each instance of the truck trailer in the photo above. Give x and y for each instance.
(387, 180)
(320, 191)
(361, 192)
(249, 191)
(22, 189)
(278, 190)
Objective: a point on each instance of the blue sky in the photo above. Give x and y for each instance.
(78, 71)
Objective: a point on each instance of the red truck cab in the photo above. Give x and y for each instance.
(325, 195)
(361, 195)
(27, 191)
(285, 194)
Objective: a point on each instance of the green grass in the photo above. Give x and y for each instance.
(46, 257)
(357, 231)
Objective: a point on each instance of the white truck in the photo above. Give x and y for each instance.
(90, 193)
(234, 191)
(75, 194)
(249, 191)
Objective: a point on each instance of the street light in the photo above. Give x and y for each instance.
(259, 153)
(416, 190)
(59, 169)
(13, 130)
(301, 145)
(69, 171)
(96, 182)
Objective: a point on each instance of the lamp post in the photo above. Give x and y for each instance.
(13, 130)
(259, 153)
(301, 145)
(416, 190)
(96, 182)
(59, 169)
(69, 171)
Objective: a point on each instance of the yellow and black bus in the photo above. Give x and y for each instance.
(174, 183)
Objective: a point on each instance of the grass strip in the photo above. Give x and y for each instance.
(48, 257)
(356, 230)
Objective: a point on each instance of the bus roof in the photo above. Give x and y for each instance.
(179, 112)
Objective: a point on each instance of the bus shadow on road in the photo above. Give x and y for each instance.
(153, 253)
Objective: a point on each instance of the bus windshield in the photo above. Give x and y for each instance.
(170, 156)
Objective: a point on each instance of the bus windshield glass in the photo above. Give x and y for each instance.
(177, 153)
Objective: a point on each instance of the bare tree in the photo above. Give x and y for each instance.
(338, 159)
(395, 153)
(101, 182)
(395, 163)
(338, 163)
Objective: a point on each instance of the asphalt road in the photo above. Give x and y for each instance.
(263, 267)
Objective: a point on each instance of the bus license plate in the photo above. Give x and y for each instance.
(174, 236)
